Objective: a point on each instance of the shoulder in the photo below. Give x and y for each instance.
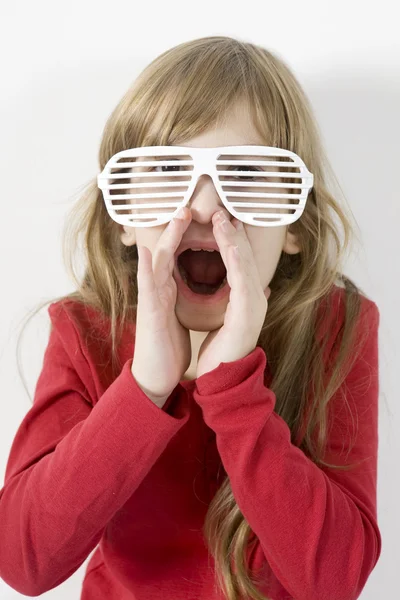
(74, 319)
(85, 333)
(69, 312)
(333, 309)
(333, 315)
(78, 325)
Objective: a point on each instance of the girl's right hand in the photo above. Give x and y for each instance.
(162, 351)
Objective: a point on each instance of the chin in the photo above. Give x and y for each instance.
(199, 321)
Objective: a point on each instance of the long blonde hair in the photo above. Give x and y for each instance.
(180, 94)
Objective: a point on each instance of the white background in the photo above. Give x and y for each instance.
(64, 66)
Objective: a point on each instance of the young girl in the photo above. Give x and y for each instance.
(205, 444)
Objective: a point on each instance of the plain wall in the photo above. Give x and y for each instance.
(64, 68)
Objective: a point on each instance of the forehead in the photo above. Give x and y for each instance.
(236, 128)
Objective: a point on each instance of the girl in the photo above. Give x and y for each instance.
(205, 444)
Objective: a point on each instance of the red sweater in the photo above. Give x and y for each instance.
(95, 464)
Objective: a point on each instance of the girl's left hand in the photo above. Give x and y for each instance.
(248, 302)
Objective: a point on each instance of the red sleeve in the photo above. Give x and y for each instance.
(316, 527)
(72, 465)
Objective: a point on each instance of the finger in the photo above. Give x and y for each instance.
(164, 255)
(147, 296)
(242, 272)
(235, 234)
(224, 233)
(149, 313)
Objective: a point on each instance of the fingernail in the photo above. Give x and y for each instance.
(180, 214)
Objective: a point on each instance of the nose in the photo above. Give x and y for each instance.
(205, 201)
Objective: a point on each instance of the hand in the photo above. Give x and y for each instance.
(248, 302)
(162, 345)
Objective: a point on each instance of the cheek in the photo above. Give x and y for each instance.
(267, 244)
(148, 236)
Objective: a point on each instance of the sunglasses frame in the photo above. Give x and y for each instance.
(205, 161)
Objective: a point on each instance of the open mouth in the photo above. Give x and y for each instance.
(203, 272)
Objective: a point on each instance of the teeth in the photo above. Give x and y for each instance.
(205, 249)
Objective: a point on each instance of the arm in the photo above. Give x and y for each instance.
(72, 465)
(316, 527)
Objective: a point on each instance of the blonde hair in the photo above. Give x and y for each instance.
(180, 94)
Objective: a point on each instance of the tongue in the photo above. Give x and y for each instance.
(203, 266)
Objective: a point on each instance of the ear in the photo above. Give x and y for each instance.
(128, 235)
(291, 244)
